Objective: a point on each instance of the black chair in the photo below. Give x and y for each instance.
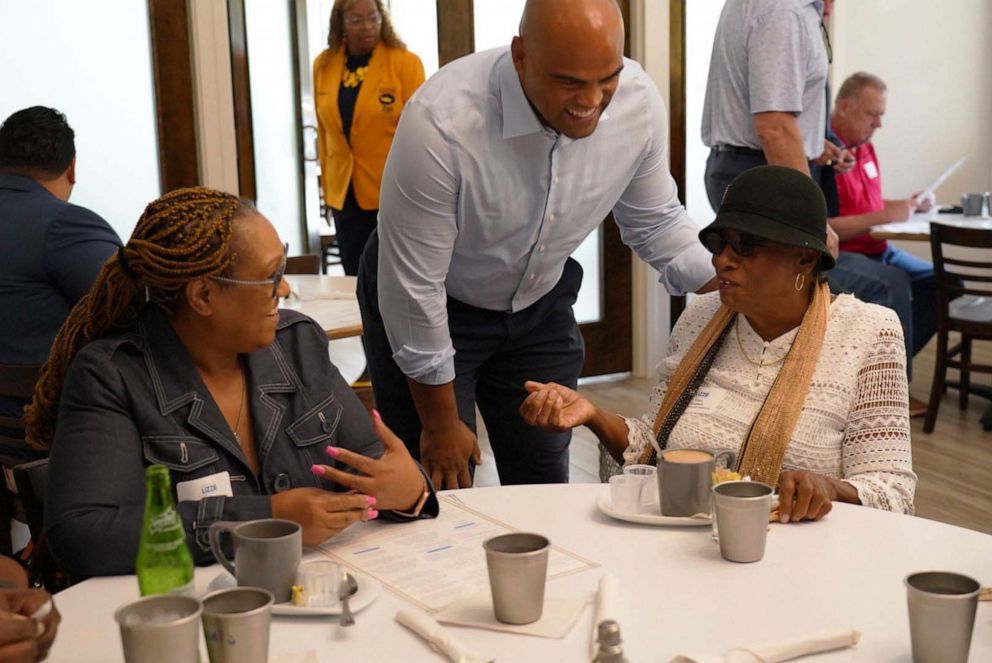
(964, 305)
(31, 480)
(305, 264)
(15, 382)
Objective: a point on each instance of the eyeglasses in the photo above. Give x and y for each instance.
(275, 281)
(743, 244)
(359, 21)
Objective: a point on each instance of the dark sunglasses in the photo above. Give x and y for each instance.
(743, 244)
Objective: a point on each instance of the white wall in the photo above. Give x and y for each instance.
(936, 58)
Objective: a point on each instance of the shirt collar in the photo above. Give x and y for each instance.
(21, 183)
(519, 119)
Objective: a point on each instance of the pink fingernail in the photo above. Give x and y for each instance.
(373, 514)
(317, 469)
(370, 500)
(333, 451)
(375, 413)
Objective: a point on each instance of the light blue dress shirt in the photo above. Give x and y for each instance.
(482, 202)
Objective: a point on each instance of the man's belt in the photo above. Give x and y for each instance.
(737, 149)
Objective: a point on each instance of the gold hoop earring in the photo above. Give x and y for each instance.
(800, 281)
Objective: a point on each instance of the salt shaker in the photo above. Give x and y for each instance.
(608, 637)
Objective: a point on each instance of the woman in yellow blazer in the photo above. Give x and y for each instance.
(361, 81)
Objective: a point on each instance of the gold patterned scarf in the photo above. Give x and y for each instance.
(764, 448)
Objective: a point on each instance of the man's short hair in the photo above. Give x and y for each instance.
(852, 87)
(36, 141)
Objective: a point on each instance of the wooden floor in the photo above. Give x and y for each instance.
(954, 463)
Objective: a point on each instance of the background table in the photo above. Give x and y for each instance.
(330, 300)
(918, 226)
(677, 594)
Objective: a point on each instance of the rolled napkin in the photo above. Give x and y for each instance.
(440, 640)
(604, 607)
(786, 650)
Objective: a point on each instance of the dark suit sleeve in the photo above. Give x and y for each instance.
(77, 244)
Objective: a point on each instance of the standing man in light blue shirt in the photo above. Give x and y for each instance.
(503, 162)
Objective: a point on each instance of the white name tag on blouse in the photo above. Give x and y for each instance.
(213, 485)
(871, 170)
(706, 401)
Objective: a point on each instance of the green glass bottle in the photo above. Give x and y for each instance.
(164, 564)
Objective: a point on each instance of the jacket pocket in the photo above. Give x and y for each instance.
(180, 453)
(318, 424)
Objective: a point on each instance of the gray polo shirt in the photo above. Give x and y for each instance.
(768, 55)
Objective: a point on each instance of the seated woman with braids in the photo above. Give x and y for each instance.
(179, 355)
(809, 391)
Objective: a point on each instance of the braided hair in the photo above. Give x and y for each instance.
(184, 235)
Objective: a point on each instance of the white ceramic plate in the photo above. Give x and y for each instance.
(368, 591)
(605, 505)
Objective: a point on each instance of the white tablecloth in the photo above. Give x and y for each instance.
(676, 593)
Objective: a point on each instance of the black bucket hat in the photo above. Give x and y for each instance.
(779, 204)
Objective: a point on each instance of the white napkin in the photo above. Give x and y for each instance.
(440, 640)
(476, 610)
(780, 651)
(605, 606)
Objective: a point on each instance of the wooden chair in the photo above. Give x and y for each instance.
(964, 305)
(305, 264)
(31, 480)
(15, 382)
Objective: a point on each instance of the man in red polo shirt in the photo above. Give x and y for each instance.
(863, 260)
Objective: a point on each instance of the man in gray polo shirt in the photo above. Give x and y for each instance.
(765, 97)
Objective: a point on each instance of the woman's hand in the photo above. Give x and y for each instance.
(394, 480)
(321, 513)
(804, 496)
(555, 408)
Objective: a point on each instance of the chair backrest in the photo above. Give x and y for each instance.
(17, 382)
(32, 485)
(305, 264)
(976, 276)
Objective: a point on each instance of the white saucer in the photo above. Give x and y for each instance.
(605, 505)
(368, 591)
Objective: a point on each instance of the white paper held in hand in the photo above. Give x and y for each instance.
(927, 192)
(439, 639)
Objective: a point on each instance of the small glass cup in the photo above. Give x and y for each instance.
(625, 493)
(320, 580)
(647, 475)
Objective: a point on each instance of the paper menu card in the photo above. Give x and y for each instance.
(432, 562)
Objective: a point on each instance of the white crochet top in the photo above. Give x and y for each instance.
(854, 424)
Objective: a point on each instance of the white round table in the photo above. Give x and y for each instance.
(677, 595)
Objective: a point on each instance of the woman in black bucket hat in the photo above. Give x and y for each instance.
(808, 390)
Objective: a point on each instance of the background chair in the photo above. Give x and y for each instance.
(31, 480)
(15, 382)
(330, 252)
(305, 264)
(964, 305)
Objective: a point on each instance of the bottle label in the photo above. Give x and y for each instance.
(165, 546)
(166, 521)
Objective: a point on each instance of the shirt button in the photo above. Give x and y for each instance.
(282, 483)
(541, 248)
(532, 276)
(551, 217)
(556, 179)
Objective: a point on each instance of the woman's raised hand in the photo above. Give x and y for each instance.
(321, 513)
(394, 480)
(555, 408)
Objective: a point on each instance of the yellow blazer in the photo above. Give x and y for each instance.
(391, 79)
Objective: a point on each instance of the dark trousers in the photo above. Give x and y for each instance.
(495, 353)
(353, 226)
(723, 167)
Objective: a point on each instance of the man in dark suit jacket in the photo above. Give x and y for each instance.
(51, 250)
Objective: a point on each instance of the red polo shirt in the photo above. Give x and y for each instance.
(860, 192)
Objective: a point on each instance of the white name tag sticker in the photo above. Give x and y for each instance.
(706, 401)
(213, 485)
(871, 170)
